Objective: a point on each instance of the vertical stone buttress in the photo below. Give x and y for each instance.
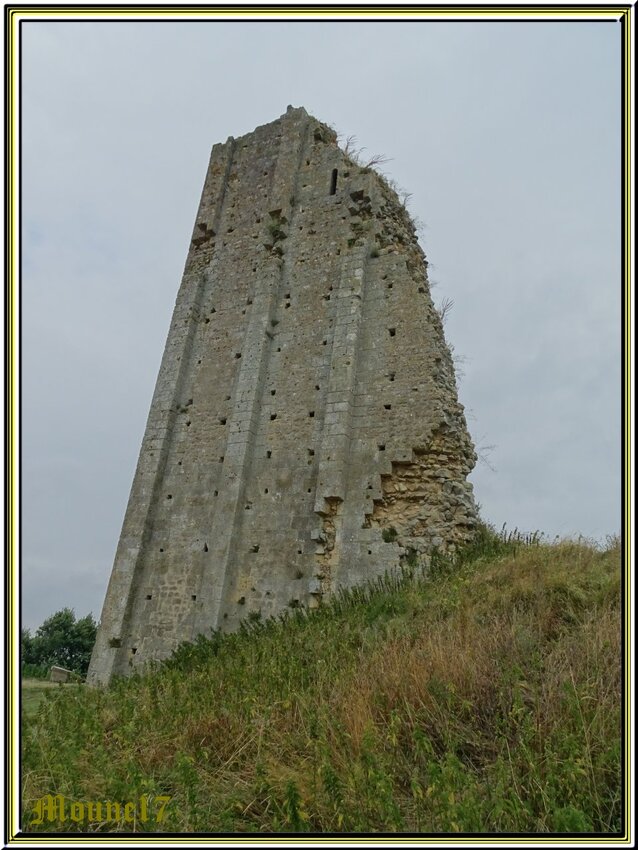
(305, 431)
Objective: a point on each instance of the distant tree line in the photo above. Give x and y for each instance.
(60, 640)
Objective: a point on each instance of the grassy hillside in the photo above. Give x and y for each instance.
(483, 697)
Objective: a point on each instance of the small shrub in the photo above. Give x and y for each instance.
(35, 671)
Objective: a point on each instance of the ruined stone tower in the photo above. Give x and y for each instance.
(305, 431)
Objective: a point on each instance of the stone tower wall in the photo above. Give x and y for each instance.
(305, 403)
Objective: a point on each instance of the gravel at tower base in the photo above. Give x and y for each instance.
(305, 432)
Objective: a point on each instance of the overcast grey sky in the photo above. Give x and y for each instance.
(508, 136)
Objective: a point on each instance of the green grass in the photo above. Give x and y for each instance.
(483, 696)
(35, 690)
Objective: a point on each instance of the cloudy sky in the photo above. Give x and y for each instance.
(508, 136)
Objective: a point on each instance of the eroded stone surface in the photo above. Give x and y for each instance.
(305, 404)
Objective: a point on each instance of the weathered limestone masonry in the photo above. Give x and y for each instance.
(305, 431)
